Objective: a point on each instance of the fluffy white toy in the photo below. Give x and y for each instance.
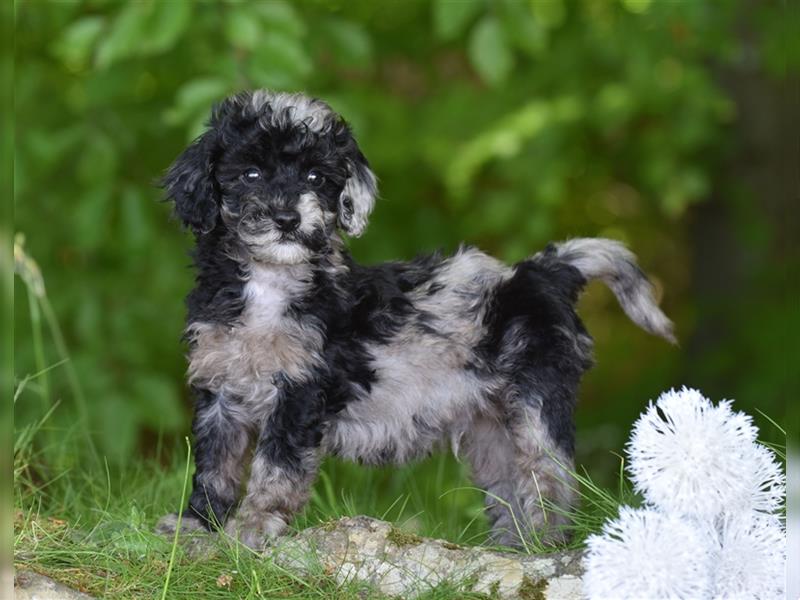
(645, 553)
(710, 526)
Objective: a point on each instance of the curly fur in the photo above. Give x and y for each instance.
(296, 351)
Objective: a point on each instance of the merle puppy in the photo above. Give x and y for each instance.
(296, 351)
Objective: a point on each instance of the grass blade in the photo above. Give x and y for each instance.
(180, 517)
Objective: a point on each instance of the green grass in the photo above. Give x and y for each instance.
(91, 526)
(89, 523)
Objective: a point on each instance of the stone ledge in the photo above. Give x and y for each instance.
(405, 565)
(32, 586)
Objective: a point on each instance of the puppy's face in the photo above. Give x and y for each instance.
(280, 171)
(280, 190)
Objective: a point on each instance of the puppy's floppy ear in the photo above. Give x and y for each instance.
(360, 188)
(190, 180)
(190, 183)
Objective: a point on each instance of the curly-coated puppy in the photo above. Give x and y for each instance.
(296, 351)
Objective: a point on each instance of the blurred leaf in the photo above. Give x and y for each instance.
(241, 29)
(349, 43)
(125, 34)
(279, 62)
(168, 21)
(614, 104)
(506, 138)
(489, 52)
(75, 44)
(682, 190)
(451, 17)
(637, 6)
(143, 28)
(195, 99)
(49, 146)
(549, 13)
(280, 16)
(527, 33)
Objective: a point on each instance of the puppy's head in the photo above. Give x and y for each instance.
(281, 171)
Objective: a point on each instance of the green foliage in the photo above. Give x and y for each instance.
(489, 52)
(504, 123)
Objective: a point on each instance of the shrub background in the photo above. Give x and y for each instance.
(503, 123)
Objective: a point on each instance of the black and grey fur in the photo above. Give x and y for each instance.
(296, 351)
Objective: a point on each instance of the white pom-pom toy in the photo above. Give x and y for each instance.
(711, 527)
(688, 456)
(648, 554)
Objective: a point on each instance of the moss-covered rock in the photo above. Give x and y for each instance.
(400, 563)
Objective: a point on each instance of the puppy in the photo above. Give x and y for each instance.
(296, 351)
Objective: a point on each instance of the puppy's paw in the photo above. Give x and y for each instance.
(196, 540)
(256, 532)
(168, 524)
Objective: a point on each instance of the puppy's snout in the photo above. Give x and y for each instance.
(286, 219)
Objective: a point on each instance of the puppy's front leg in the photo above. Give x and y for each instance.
(284, 465)
(221, 438)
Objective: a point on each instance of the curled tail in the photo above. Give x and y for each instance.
(611, 262)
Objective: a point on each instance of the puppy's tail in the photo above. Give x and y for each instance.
(611, 262)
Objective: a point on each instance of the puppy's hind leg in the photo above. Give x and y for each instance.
(538, 405)
(525, 477)
(221, 441)
(545, 487)
(488, 447)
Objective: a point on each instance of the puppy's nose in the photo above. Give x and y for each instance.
(286, 220)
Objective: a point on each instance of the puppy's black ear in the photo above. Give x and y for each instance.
(190, 183)
(360, 188)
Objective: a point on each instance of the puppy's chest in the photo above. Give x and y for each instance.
(240, 360)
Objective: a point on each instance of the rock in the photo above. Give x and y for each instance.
(404, 564)
(32, 586)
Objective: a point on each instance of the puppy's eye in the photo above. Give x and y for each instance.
(251, 174)
(315, 178)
